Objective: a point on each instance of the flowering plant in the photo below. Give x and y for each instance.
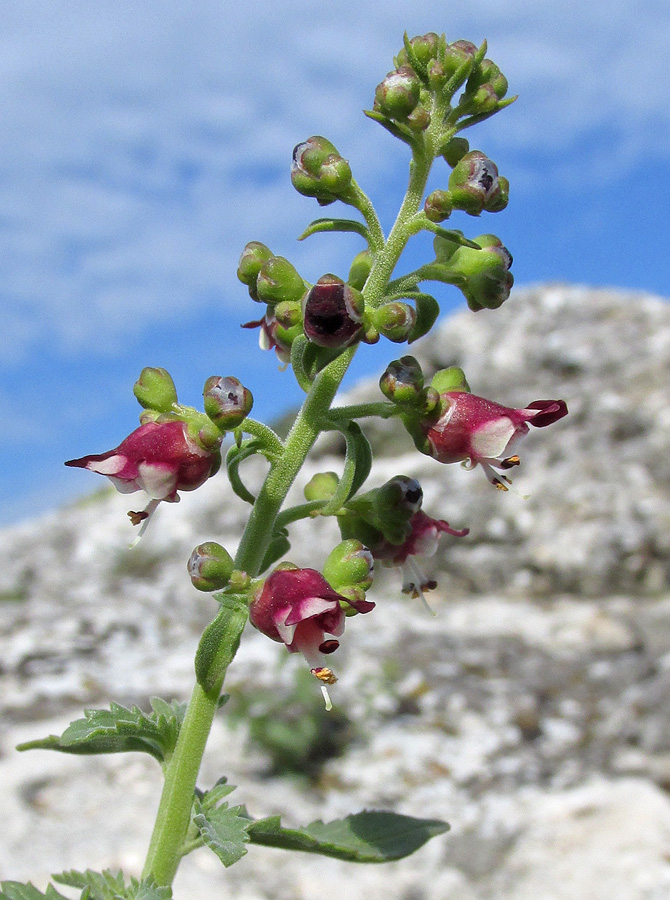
(435, 92)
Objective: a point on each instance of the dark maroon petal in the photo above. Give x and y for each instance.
(552, 411)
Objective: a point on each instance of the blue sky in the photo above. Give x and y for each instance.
(145, 143)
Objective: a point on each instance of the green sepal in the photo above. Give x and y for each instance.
(109, 886)
(119, 730)
(480, 117)
(453, 235)
(419, 67)
(427, 311)
(220, 640)
(369, 836)
(400, 131)
(17, 890)
(326, 225)
(223, 829)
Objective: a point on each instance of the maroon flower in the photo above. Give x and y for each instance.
(299, 608)
(159, 458)
(271, 336)
(422, 541)
(476, 431)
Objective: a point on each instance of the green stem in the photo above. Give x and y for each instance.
(362, 410)
(174, 812)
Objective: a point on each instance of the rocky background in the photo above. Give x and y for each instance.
(532, 712)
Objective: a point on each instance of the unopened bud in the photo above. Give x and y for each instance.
(210, 567)
(155, 389)
(319, 171)
(419, 118)
(395, 320)
(451, 379)
(288, 313)
(349, 565)
(321, 486)
(398, 93)
(333, 313)
(400, 493)
(425, 47)
(252, 258)
(227, 401)
(438, 206)
(456, 150)
(487, 72)
(279, 280)
(361, 266)
(457, 54)
(402, 382)
(475, 186)
(488, 279)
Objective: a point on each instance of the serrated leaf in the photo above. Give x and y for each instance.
(369, 836)
(16, 890)
(119, 730)
(216, 794)
(108, 886)
(224, 830)
(327, 225)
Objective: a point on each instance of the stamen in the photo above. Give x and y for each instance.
(510, 462)
(144, 517)
(324, 674)
(326, 697)
(421, 582)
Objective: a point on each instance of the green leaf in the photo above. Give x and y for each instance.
(234, 457)
(16, 890)
(119, 730)
(299, 360)
(357, 465)
(279, 546)
(326, 225)
(451, 234)
(224, 830)
(369, 836)
(219, 642)
(107, 886)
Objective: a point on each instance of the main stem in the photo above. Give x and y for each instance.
(181, 771)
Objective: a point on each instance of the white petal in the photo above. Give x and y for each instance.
(158, 481)
(490, 440)
(109, 466)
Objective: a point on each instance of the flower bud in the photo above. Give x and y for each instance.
(227, 401)
(333, 313)
(457, 54)
(488, 281)
(361, 267)
(451, 379)
(394, 320)
(321, 486)
(402, 382)
(487, 72)
(252, 258)
(349, 565)
(475, 186)
(279, 281)
(456, 150)
(210, 567)
(418, 119)
(398, 93)
(155, 390)
(438, 206)
(400, 493)
(319, 171)
(425, 47)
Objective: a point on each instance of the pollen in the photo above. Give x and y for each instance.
(324, 674)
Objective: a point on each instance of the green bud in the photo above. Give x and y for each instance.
(418, 119)
(319, 171)
(252, 258)
(387, 509)
(487, 281)
(456, 55)
(155, 389)
(279, 281)
(349, 565)
(487, 72)
(321, 486)
(395, 320)
(210, 567)
(398, 94)
(425, 47)
(451, 379)
(438, 206)
(360, 269)
(475, 185)
(288, 313)
(227, 402)
(456, 150)
(402, 382)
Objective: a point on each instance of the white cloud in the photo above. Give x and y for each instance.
(140, 152)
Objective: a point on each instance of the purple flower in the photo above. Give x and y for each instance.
(159, 458)
(476, 431)
(299, 608)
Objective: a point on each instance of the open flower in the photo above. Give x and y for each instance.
(299, 608)
(422, 541)
(160, 458)
(476, 431)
